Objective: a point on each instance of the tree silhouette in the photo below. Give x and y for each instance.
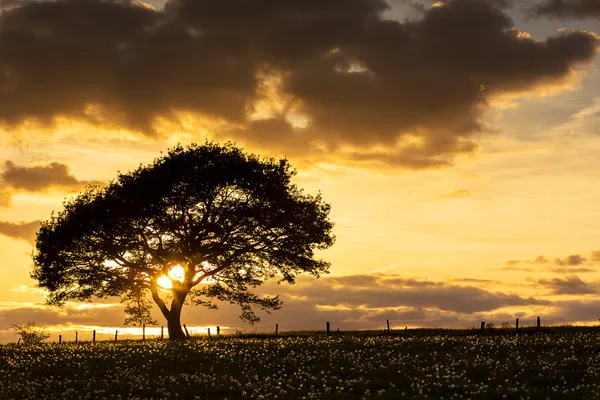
(215, 220)
(137, 307)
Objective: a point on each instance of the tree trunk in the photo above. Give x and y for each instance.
(174, 317)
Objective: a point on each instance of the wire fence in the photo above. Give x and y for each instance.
(328, 328)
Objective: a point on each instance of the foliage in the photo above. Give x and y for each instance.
(137, 308)
(538, 366)
(29, 333)
(231, 220)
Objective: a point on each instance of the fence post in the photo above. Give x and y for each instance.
(59, 339)
(388, 327)
(218, 330)
(94, 336)
(162, 332)
(76, 336)
(116, 335)
(538, 324)
(276, 330)
(406, 331)
(143, 331)
(209, 333)
(482, 326)
(517, 325)
(186, 331)
(328, 331)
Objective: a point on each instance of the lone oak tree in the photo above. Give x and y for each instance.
(226, 219)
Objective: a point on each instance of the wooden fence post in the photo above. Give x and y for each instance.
(116, 335)
(538, 324)
(94, 336)
(482, 326)
(517, 325)
(209, 333)
(218, 330)
(186, 331)
(276, 330)
(143, 331)
(59, 339)
(388, 327)
(162, 332)
(76, 336)
(328, 330)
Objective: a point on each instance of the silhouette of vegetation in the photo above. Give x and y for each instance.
(137, 308)
(205, 223)
(29, 333)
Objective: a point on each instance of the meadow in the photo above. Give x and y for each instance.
(563, 365)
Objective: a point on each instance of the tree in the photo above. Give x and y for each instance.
(30, 334)
(205, 223)
(137, 307)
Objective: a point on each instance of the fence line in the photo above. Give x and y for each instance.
(329, 328)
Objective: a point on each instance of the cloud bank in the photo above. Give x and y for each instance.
(569, 9)
(20, 230)
(38, 179)
(350, 302)
(331, 76)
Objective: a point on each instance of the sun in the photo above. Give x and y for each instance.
(177, 273)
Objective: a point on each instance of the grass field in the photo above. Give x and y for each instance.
(563, 365)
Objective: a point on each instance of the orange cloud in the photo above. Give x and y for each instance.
(37, 178)
(20, 230)
(341, 79)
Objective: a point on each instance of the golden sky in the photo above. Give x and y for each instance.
(456, 141)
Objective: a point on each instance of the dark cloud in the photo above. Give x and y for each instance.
(40, 177)
(396, 292)
(45, 315)
(565, 265)
(571, 260)
(569, 285)
(416, 88)
(571, 270)
(21, 230)
(348, 302)
(568, 8)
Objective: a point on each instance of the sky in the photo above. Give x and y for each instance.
(456, 142)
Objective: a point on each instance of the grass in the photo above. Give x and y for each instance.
(557, 363)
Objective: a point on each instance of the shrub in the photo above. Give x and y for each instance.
(30, 334)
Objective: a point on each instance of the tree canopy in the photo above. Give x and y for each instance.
(226, 219)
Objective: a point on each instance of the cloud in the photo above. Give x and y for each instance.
(595, 255)
(22, 230)
(566, 265)
(390, 291)
(457, 194)
(571, 260)
(509, 268)
(571, 270)
(348, 302)
(568, 9)
(37, 178)
(570, 285)
(71, 314)
(539, 260)
(331, 76)
(40, 177)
